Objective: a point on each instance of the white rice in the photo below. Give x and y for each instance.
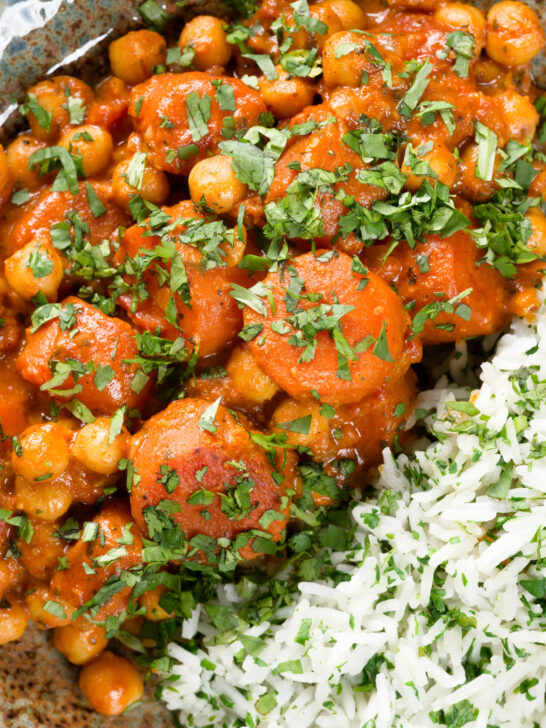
(482, 661)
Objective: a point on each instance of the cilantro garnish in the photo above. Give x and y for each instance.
(208, 417)
(487, 149)
(198, 112)
(463, 45)
(411, 98)
(53, 158)
(32, 106)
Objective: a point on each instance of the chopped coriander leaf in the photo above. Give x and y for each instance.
(168, 478)
(304, 632)
(381, 346)
(20, 197)
(103, 376)
(413, 95)
(463, 45)
(264, 63)
(430, 210)
(184, 58)
(303, 63)
(40, 262)
(416, 163)
(301, 425)
(505, 230)
(54, 608)
(250, 164)
(116, 423)
(52, 158)
(187, 151)
(66, 313)
(198, 112)
(297, 214)
(208, 416)
(95, 204)
(371, 143)
(386, 175)
(293, 666)
(427, 109)
(225, 97)
(251, 81)
(90, 531)
(153, 15)
(343, 49)
(32, 106)
(487, 149)
(251, 297)
(250, 331)
(135, 170)
(501, 488)
(432, 310)
(76, 110)
(400, 409)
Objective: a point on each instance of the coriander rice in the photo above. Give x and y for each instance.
(442, 618)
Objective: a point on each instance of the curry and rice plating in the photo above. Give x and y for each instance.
(220, 266)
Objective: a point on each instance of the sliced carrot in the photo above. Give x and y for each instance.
(209, 317)
(198, 456)
(102, 343)
(440, 269)
(361, 329)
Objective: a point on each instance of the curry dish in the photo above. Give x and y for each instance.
(220, 266)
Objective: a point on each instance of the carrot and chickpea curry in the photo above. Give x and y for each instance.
(219, 268)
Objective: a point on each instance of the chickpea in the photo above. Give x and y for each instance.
(110, 684)
(13, 622)
(58, 614)
(471, 187)
(18, 153)
(80, 642)
(34, 268)
(12, 574)
(537, 241)
(40, 557)
(319, 437)
(44, 453)
(520, 115)
(214, 180)
(462, 16)
(91, 447)
(327, 15)
(206, 35)
(286, 95)
(154, 185)
(43, 501)
(442, 162)
(6, 179)
(92, 143)
(350, 15)
(514, 35)
(302, 39)
(133, 144)
(133, 56)
(346, 70)
(52, 96)
(150, 601)
(247, 377)
(488, 74)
